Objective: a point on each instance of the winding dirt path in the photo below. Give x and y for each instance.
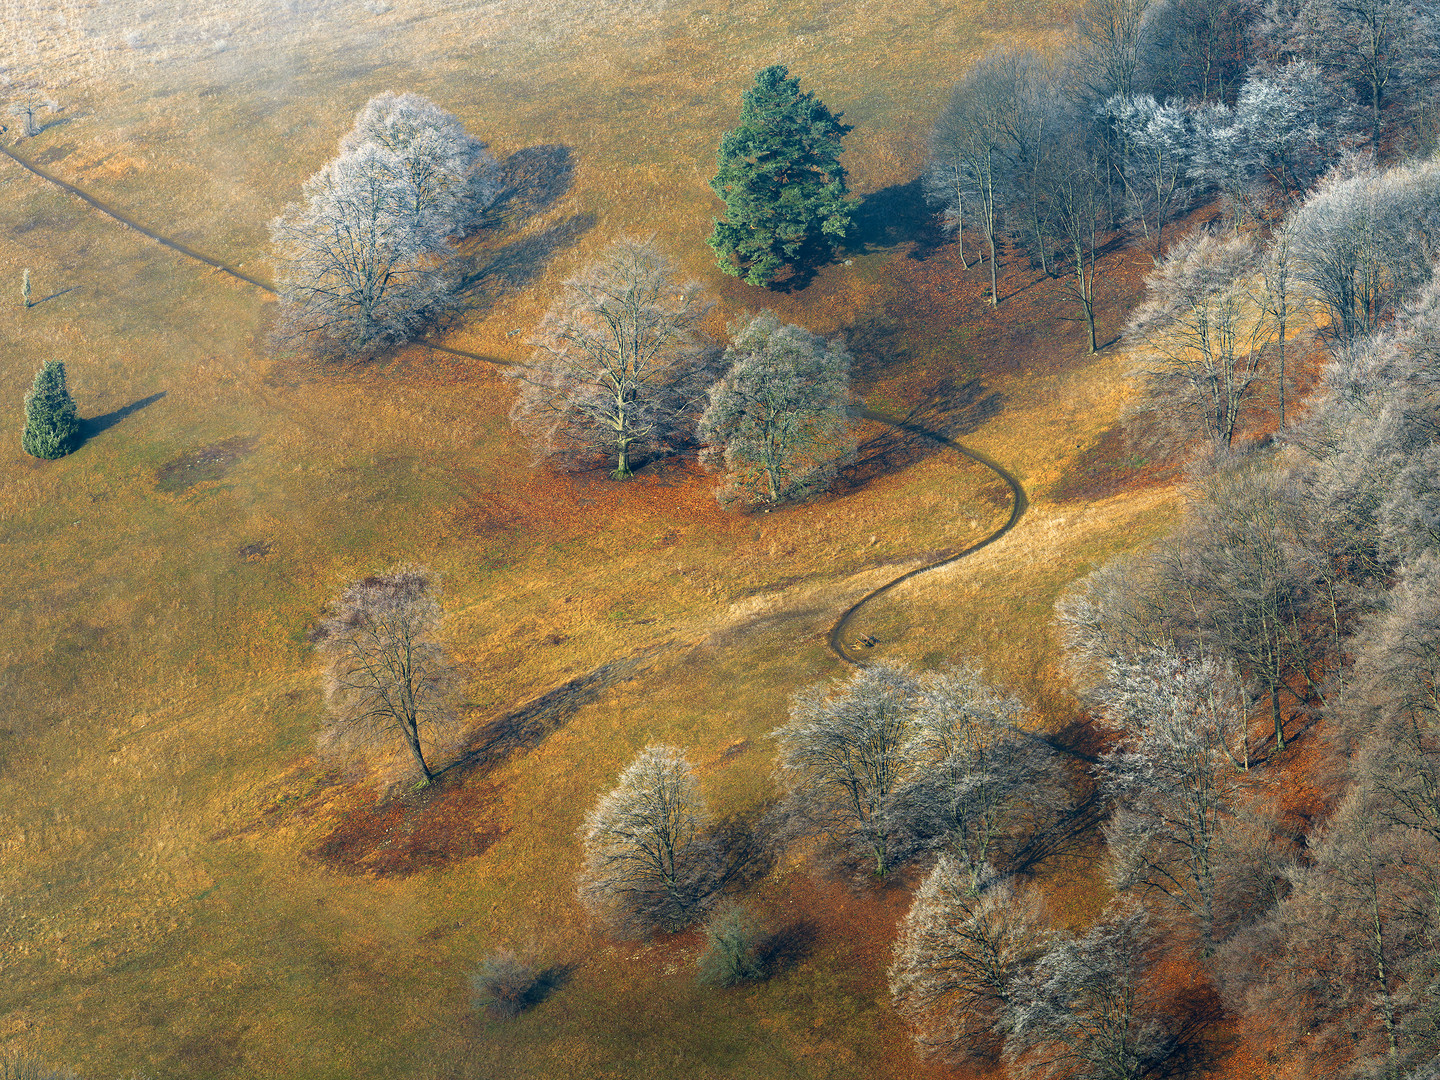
(1020, 503)
(837, 632)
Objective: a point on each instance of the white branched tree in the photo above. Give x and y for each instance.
(779, 415)
(620, 365)
(649, 860)
(964, 952)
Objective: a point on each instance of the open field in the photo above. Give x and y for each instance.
(184, 890)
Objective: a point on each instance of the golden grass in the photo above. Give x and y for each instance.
(157, 790)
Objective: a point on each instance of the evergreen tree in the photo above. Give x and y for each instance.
(52, 427)
(781, 179)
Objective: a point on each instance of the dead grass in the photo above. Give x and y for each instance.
(187, 892)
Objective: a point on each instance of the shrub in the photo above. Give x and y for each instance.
(732, 950)
(504, 985)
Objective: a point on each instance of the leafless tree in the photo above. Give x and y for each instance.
(843, 753)
(1197, 49)
(974, 775)
(974, 141)
(386, 677)
(1386, 50)
(1183, 739)
(1078, 197)
(779, 417)
(620, 365)
(1114, 614)
(1364, 242)
(1159, 144)
(965, 950)
(649, 860)
(1089, 1012)
(27, 100)
(452, 176)
(1200, 334)
(1109, 40)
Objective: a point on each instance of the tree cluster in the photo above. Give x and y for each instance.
(367, 259)
(622, 374)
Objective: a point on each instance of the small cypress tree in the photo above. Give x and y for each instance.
(52, 427)
(781, 179)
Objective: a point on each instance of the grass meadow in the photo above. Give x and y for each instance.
(185, 891)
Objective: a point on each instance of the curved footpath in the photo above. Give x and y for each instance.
(837, 632)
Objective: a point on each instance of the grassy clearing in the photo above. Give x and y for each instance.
(167, 906)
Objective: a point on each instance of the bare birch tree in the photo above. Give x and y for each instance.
(386, 677)
(620, 364)
(649, 861)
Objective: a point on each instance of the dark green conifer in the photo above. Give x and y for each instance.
(781, 179)
(52, 427)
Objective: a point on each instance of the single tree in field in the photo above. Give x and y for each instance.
(452, 175)
(649, 863)
(1201, 334)
(843, 754)
(781, 180)
(620, 365)
(386, 678)
(29, 101)
(779, 414)
(962, 958)
(52, 426)
(366, 260)
(356, 267)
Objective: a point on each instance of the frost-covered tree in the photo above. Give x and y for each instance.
(386, 677)
(452, 176)
(975, 776)
(1364, 242)
(1384, 51)
(1158, 147)
(1089, 1014)
(1181, 723)
(366, 260)
(1199, 336)
(648, 860)
(843, 753)
(52, 426)
(964, 953)
(620, 364)
(778, 417)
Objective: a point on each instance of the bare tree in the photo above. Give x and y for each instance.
(649, 861)
(1116, 613)
(1079, 202)
(452, 176)
(1386, 50)
(973, 141)
(620, 365)
(28, 100)
(843, 754)
(963, 955)
(1109, 40)
(779, 416)
(1158, 147)
(1089, 1014)
(1197, 49)
(974, 775)
(386, 677)
(1182, 726)
(1200, 334)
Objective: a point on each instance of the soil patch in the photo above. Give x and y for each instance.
(208, 463)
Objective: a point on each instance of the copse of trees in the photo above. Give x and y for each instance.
(366, 260)
(778, 418)
(786, 203)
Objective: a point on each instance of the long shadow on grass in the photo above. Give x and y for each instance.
(897, 214)
(788, 946)
(96, 424)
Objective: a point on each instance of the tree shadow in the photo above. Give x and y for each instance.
(897, 214)
(745, 847)
(96, 424)
(814, 255)
(783, 949)
(951, 409)
(518, 264)
(53, 296)
(552, 979)
(535, 179)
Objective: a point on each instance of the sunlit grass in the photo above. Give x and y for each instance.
(157, 790)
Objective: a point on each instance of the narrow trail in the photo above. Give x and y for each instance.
(837, 632)
(1021, 503)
